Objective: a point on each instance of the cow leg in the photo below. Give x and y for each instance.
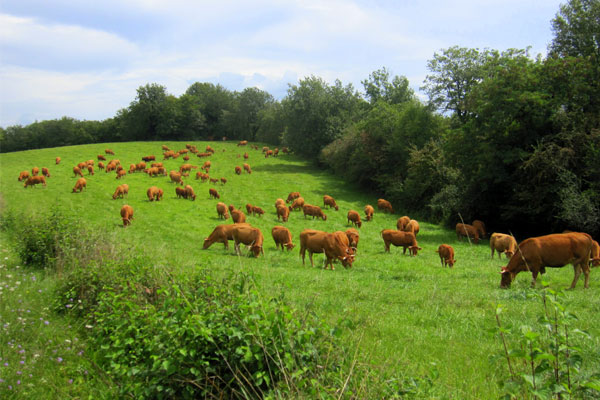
(310, 254)
(577, 270)
(302, 253)
(534, 275)
(586, 274)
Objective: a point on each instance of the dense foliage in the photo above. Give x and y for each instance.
(504, 137)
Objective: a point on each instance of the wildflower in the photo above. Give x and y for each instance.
(19, 372)
(46, 322)
(59, 359)
(70, 381)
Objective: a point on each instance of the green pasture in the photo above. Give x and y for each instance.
(402, 315)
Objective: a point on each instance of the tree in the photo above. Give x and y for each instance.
(378, 87)
(149, 116)
(213, 102)
(242, 121)
(577, 30)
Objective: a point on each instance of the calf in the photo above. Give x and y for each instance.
(385, 205)
(79, 185)
(213, 193)
(314, 211)
(249, 236)
(154, 193)
(282, 236)
(446, 254)
(369, 211)
(330, 202)
(468, 231)
(398, 238)
(35, 180)
(336, 246)
(354, 218)
(126, 215)
(503, 244)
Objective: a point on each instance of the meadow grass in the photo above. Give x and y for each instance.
(405, 316)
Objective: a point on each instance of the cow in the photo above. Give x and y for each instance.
(23, 175)
(209, 149)
(77, 171)
(279, 202)
(554, 251)
(282, 236)
(154, 193)
(313, 211)
(121, 191)
(330, 202)
(45, 172)
(213, 193)
(126, 215)
(223, 181)
(168, 154)
(142, 166)
(468, 231)
(121, 173)
(446, 253)
(214, 180)
(336, 246)
(34, 180)
(246, 156)
(221, 234)
(242, 143)
(180, 192)
(222, 210)
(412, 226)
(149, 158)
(480, 226)
(101, 157)
(57, 160)
(109, 151)
(399, 238)
(353, 237)
(354, 218)
(249, 236)
(132, 168)
(402, 222)
(292, 196)
(283, 212)
(154, 164)
(503, 244)
(298, 204)
(189, 193)
(187, 168)
(257, 211)
(595, 254)
(385, 205)
(101, 165)
(238, 170)
(247, 168)
(238, 216)
(175, 177)
(249, 208)
(265, 149)
(369, 211)
(79, 185)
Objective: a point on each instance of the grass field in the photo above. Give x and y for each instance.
(404, 315)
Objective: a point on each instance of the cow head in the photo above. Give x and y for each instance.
(337, 208)
(507, 278)
(359, 224)
(324, 217)
(207, 244)
(256, 250)
(347, 260)
(413, 250)
(595, 262)
(509, 253)
(451, 262)
(289, 245)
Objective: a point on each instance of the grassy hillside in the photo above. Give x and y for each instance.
(405, 315)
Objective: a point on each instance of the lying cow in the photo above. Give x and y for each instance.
(282, 237)
(398, 238)
(554, 251)
(503, 244)
(336, 246)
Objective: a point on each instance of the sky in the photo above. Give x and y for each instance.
(86, 59)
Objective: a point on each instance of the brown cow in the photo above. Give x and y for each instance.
(369, 211)
(189, 193)
(222, 210)
(223, 181)
(209, 149)
(154, 193)
(480, 226)
(503, 244)
(330, 202)
(279, 202)
(468, 231)
(168, 154)
(242, 143)
(246, 156)
(101, 157)
(354, 218)
(23, 175)
(385, 205)
(213, 193)
(314, 211)
(238, 170)
(595, 254)
(79, 185)
(35, 171)
(132, 168)
(402, 222)
(335, 246)
(77, 171)
(214, 180)
(175, 177)
(399, 238)
(297, 204)
(121, 191)
(187, 168)
(155, 164)
(269, 153)
(238, 216)
(34, 180)
(249, 236)
(554, 251)
(283, 212)
(249, 208)
(142, 166)
(109, 151)
(353, 237)
(292, 196)
(282, 236)
(45, 172)
(57, 160)
(446, 253)
(412, 226)
(180, 192)
(247, 168)
(121, 173)
(126, 215)
(149, 158)
(257, 211)
(101, 165)
(221, 234)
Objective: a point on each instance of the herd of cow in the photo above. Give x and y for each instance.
(533, 254)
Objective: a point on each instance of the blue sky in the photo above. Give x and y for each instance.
(85, 59)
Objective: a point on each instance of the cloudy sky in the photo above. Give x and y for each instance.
(85, 59)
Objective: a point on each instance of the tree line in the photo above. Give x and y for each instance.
(504, 137)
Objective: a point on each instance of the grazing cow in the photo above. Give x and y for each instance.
(89, 162)
(175, 177)
(187, 168)
(23, 175)
(246, 156)
(249, 208)
(126, 215)
(238, 216)
(353, 237)
(249, 236)
(209, 149)
(132, 168)
(399, 238)
(34, 180)
(109, 151)
(45, 172)
(77, 171)
(554, 251)
(165, 147)
(480, 226)
(155, 164)
(297, 204)
(412, 226)
(213, 193)
(330, 202)
(82, 165)
(222, 210)
(279, 202)
(269, 153)
(283, 212)
(223, 181)
(595, 254)
(354, 218)
(292, 196)
(282, 236)
(385, 205)
(265, 149)
(121, 173)
(336, 246)
(446, 254)
(121, 191)
(468, 231)
(238, 170)
(503, 244)
(110, 167)
(79, 185)
(402, 222)
(314, 211)
(101, 165)
(242, 143)
(214, 180)
(168, 154)
(101, 157)
(152, 171)
(154, 193)
(180, 192)
(57, 160)
(149, 158)
(285, 150)
(247, 168)
(221, 234)
(142, 166)
(275, 152)
(257, 211)
(189, 193)
(369, 211)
